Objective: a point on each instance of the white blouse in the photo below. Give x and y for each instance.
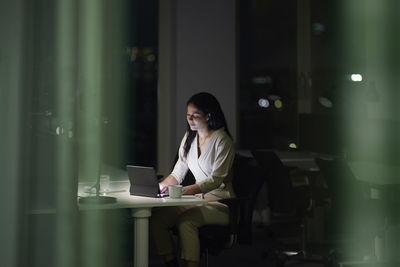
(212, 169)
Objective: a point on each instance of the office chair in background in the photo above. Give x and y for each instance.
(289, 208)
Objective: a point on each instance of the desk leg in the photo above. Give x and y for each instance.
(141, 236)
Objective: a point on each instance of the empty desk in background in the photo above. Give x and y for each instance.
(303, 160)
(140, 211)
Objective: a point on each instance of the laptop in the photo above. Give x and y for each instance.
(143, 181)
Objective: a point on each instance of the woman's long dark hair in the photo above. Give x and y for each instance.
(209, 105)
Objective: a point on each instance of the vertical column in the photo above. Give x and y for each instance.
(90, 86)
(66, 170)
(141, 236)
(166, 146)
(90, 62)
(12, 50)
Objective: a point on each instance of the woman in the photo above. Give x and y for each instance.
(207, 151)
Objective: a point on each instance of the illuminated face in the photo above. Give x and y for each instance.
(196, 119)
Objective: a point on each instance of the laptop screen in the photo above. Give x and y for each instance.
(143, 181)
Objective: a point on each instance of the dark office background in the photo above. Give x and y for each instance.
(293, 85)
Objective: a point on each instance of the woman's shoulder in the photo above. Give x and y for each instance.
(222, 136)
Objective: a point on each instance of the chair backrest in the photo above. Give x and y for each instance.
(247, 182)
(280, 190)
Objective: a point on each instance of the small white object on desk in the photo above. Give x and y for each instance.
(104, 183)
(175, 191)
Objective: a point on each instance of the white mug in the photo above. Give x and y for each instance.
(175, 191)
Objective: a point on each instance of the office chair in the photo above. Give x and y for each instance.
(355, 217)
(247, 181)
(289, 205)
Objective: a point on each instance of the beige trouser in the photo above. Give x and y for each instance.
(187, 219)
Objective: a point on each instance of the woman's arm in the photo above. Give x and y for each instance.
(221, 164)
(169, 180)
(187, 190)
(191, 189)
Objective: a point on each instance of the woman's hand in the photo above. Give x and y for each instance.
(170, 180)
(163, 189)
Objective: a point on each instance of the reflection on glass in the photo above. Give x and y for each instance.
(325, 102)
(278, 103)
(264, 103)
(356, 77)
(262, 80)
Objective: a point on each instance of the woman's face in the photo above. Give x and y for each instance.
(196, 119)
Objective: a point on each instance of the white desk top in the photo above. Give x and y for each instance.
(140, 209)
(125, 200)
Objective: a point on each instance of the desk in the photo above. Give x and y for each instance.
(141, 211)
(303, 160)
